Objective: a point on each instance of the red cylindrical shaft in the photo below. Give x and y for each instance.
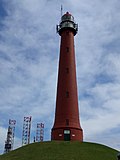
(67, 125)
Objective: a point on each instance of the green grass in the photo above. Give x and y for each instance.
(62, 151)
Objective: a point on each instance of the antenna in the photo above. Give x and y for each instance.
(10, 136)
(26, 130)
(40, 132)
(61, 10)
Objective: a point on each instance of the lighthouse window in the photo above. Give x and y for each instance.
(67, 49)
(67, 122)
(67, 70)
(67, 94)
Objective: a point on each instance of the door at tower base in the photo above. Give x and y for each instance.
(67, 134)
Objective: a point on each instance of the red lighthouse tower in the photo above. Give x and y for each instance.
(67, 125)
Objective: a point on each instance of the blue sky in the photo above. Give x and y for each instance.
(29, 53)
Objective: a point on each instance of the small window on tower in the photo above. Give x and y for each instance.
(67, 70)
(67, 122)
(67, 49)
(67, 94)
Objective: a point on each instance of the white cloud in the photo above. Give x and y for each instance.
(101, 113)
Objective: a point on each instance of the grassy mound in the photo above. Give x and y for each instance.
(62, 151)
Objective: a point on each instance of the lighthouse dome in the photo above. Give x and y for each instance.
(67, 17)
(67, 23)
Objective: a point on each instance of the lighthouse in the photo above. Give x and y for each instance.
(67, 123)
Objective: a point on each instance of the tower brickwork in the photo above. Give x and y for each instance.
(67, 124)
